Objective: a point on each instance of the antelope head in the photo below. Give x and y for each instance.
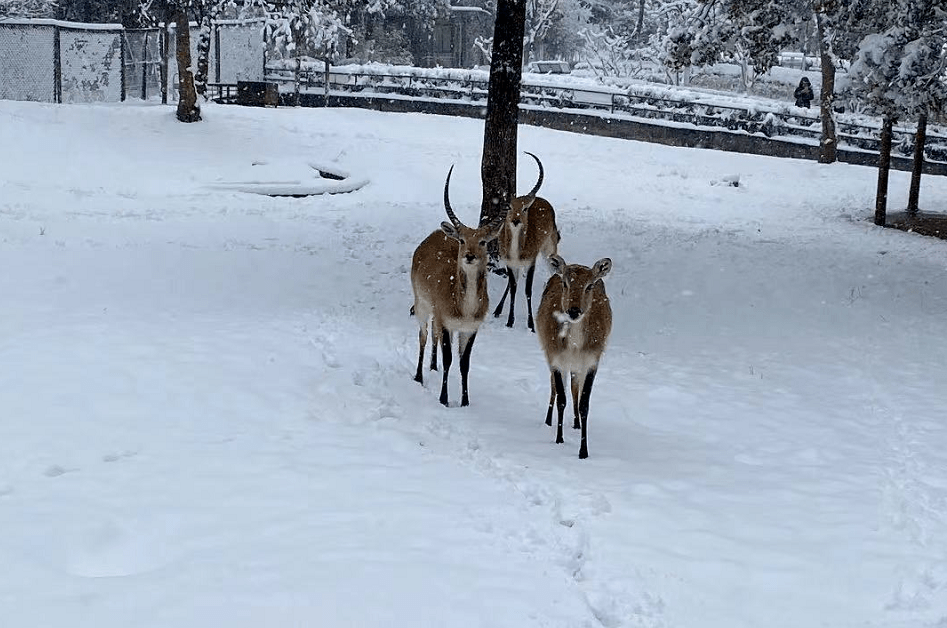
(579, 285)
(473, 252)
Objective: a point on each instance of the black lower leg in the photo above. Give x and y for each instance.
(560, 404)
(434, 352)
(513, 274)
(445, 348)
(499, 310)
(584, 411)
(422, 338)
(465, 368)
(552, 398)
(529, 297)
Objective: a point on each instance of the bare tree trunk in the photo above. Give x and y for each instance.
(829, 143)
(188, 109)
(640, 25)
(884, 166)
(498, 168)
(919, 140)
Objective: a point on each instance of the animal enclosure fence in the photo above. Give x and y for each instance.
(52, 61)
(67, 62)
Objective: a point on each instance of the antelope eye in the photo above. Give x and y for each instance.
(588, 288)
(483, 243)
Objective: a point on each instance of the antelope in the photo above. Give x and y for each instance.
(528, 232)
(574, 321)
(449, 279)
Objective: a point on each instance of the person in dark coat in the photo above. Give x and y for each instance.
(803, 93)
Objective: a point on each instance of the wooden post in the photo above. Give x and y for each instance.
(325, 102)
(884, 166)
(296, 80)
(920, 139)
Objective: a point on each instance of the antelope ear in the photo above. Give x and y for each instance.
(557, 264)
(450, 230)
(602, 267)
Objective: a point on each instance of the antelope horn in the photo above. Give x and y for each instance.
(447, 208)
(532, 193)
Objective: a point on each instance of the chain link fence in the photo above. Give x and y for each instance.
(91, 64)
(53, 61)
(143, 51)
(28, 61)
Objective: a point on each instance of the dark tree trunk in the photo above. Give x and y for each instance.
(919, 140)
(498, 168)
(829, 143)
(884, 166)
(640, 25)
(188, 109)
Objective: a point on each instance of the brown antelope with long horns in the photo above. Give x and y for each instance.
(528, 232)
(574, 321)
(449, 278)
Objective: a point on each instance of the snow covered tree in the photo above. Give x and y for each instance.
(900, 72)
(27, 8)
(749, 33)
(621, 36)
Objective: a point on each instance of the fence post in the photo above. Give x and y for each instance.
(144, 67)
(57, 67)
(216, 28)
(123, 48)
(163, 52)
(296, 80)
(325, 81)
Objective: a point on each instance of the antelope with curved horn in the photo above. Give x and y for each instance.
(574, 321)
(528, 232)
(449, 279)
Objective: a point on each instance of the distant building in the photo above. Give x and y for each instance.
(452, 45)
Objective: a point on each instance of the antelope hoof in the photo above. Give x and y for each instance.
(419, 379)
(559, 440)
(583, 454)
(576, 425)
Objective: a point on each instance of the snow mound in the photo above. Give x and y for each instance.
(291, 178)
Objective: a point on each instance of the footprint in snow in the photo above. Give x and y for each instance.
(54, 471)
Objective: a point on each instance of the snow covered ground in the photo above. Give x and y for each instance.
(208, 418)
